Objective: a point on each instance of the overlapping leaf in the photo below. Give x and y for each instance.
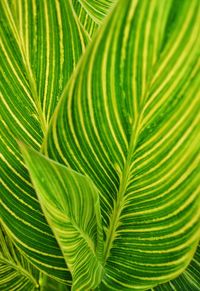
(47, 283)
(128, 120)
(71, 205)
(16, 273)
(92, 12)
(40, 45)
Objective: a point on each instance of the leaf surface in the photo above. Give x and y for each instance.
(91, 13)
(188, 280)
(48, 283)
(16, 273)
(40, 45)
(128, 120)
(71, 205)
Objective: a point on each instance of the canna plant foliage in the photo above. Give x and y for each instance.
(99, 145)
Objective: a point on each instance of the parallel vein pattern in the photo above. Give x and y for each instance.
(92, 12)
(51, 42)
(188, 280)
(16, 273)
(40, 45)
(129, 121)
(71, 205)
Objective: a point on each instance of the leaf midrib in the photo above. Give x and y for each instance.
(84, 6)
(19, 269)
(85, 236)
(122, 189)
(15, 264)
(30, 77)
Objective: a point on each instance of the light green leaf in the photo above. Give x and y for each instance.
(71, 205)
(40, 45)
(49, 284)
(92, 12)
(129, 120)
(16, 273)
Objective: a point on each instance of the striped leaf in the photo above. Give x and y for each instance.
(16, 273)
(92, 12)
(128, 120)
(71, 205)
(188, 280)
(40, 45)
(49, 284)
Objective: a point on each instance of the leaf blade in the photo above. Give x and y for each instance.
(40, 45)
(128, 119)
(188, 280)
(71, 206)
(15, 271)
(92, 13)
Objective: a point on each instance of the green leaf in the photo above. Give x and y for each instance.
(188, 280)
(16, 273)
(92, 12)
(71, 205)
(49, 284)
(129, 120)
(40, 45)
